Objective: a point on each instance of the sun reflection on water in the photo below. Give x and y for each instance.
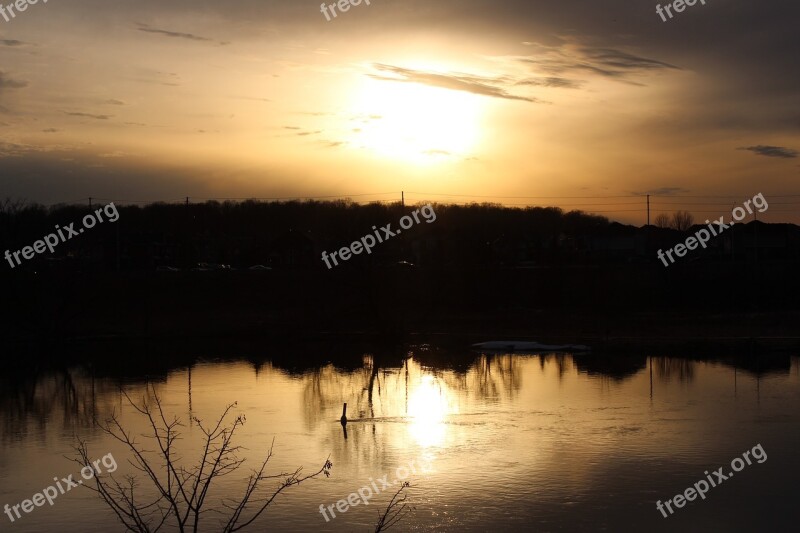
(429, 404)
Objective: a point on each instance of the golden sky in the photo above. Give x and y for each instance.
(520, 101)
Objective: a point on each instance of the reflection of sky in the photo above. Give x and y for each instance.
(527, 437)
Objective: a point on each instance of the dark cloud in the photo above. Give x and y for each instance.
(88, 115)
(9, 83)
(772, 151)
(11, 42)
(663, 191)
(623, 61)
(560, 83)
(454, 82)
(179, 35)
(604, 62)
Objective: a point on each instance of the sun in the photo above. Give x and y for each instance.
(415, 123)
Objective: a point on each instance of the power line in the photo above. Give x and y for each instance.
(522, 197)
(342, 196)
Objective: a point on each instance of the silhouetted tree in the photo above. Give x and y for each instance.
(663, 221)
(682, 220)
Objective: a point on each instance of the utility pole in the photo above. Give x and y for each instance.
(647, 233)
(403, 198)
(118, 248)
(756, 230)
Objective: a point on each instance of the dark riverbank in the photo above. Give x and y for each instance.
(615, 304)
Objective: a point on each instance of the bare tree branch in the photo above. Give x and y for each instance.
(179, 494)
(395, 511)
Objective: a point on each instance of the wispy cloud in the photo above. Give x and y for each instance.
(88, 115)
(604, 62)
(177, 34)
(772, 151)
(333, 144)
(9, 83)
(560, 83)
(300, 132)
(252, 98)
(662, 191)
(452, 81)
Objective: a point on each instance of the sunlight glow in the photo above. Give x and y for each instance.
(416, 123)
(428, 406)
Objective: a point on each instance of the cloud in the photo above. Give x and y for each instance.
(333, 144)
(298, 131)
(8, 83)
(50, 130)
(88, 115)
(252, 98)
(454, 82)
(561, 83)
(605, 62)
(11, 42)
(179, 35)
(112, 101)
(662, 191)
(772, 151)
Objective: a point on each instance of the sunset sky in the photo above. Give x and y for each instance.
(474, 100)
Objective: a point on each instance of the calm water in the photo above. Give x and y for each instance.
(511, 442)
